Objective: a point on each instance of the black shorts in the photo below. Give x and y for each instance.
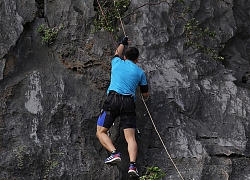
(118, 105)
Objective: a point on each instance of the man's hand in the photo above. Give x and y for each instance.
(120, 48)
(145, 95)
(124, 41)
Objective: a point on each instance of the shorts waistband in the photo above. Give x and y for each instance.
(117, 94)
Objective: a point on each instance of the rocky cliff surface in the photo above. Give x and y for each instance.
(51, 93)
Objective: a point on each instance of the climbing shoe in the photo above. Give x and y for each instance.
(113, 158)
(132, 170)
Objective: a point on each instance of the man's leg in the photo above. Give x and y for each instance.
(104, 139)
(129, 134)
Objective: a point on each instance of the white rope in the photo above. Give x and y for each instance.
(161, 138)
(120, 20)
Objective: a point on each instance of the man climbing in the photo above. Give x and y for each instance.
(126, 76)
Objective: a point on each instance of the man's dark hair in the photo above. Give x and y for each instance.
(132, 53)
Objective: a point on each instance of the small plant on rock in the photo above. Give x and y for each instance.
(19, 155)
(153, 173)
(51, 163)
(48, 34)
(195, 35)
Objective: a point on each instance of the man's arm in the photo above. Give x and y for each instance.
(119, 50)
(121, 46)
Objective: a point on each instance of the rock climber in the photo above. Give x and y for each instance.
(126, 76)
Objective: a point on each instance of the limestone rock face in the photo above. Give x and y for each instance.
(51, 93)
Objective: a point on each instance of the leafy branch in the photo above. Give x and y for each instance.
(153, 173)
(51, 164)
(195, 35)
(19, 155)
(108, 13)
(48, 34)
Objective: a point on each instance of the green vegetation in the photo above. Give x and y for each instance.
(153, 173)
(51, 164)
(196, 36)
(19, 156)
(48, 34)
(108, 15)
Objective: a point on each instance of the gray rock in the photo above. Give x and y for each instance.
(51, 94)
(2, 65)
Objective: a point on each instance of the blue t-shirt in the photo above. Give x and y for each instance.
(126, 76)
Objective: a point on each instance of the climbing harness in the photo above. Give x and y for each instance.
(160, 137)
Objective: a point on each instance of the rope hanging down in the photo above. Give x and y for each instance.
(120, 20)
(160, 137)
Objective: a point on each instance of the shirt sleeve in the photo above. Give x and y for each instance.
(143, 80)
(143, 84)
(115, 59)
